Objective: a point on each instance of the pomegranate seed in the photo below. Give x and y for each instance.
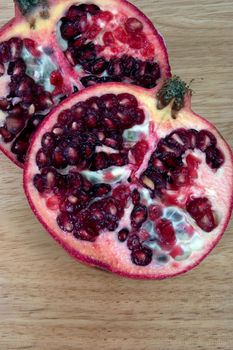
(139, 150)
(58, 159)
(100, 190)
(53, 202)
(109, 101)
(16, 46)
(135, 196)
(91, 8)
(85, 234)
(121, 35)
(133, 25)
(73, 13)
(138, 215)
(5, 53)
(118, 159)
(6, 135)
(74, 180)
(181, 177)
(142, 256)
(105, 16)
(108, 39)
(72, 155)
(56, 78)
(148, 50)
(64, 117)
(127, 100)
(70, 29)
(4, 104)
(201, 211)
(205, 139)
(115, 67)
(214, 157)
(123, 234)
(166, 233)
(38, 182)
(155, 212)
(14, 124)
(65, 222)
(137, 41)
(121, 193)
(48, 141)
(100, 161)
(93, 31)
(133, 242)
(42, 159)
(98, 66)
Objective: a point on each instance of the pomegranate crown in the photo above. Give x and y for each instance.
(27, 6)
(173, 91)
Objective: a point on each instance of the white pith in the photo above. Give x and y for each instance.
(107, 249)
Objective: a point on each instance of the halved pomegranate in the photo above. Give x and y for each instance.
(52, 49)
(133, 183)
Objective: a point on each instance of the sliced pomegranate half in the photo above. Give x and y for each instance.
(54, 48)
(140, 190)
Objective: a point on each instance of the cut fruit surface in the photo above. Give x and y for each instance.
(54, 48)
(131, 182)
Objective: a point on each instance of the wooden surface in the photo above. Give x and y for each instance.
(49, 301)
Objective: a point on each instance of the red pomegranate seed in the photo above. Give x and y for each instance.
(123, 234)
(138, 215)
(14, 124)
(105, 16)
(201, 211)
(121, 193)
(137, 41)
(133, 242)
(133, 25)
(155, 212)
(121, 35)
(135, 196)
(108, 39)
(16, 46)
(73, 13)
(53, 202)
(181, 177)
(142, 256)
(42, 159)
(56, 78)
(148, 50)
(139, 150)
(65, 222)
(214, 157)
(127, 100)
(93, 31)
(205, 139)
(166, 233)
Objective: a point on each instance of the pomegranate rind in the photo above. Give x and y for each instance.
(106, 252)
(46, 36)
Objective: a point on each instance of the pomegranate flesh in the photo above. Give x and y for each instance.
(129, 182)
(54, 48)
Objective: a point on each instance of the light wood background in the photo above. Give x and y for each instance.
(50, 301)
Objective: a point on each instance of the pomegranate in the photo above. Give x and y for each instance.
(54, 48)
(131, 181)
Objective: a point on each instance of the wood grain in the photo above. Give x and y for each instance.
(49, 301)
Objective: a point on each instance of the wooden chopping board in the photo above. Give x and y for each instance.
(50, 301)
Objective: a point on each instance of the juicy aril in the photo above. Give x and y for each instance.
(51, 49)
(133, 183)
